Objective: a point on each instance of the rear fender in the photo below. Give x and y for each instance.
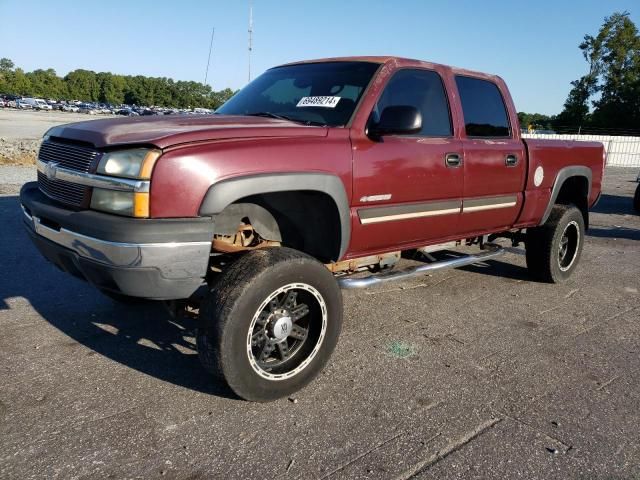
(563, 175)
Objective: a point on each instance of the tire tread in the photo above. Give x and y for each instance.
(219, 307)
(540, 249)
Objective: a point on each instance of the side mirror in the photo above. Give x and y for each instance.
(397, 120)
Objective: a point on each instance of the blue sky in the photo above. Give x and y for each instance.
(532, 44)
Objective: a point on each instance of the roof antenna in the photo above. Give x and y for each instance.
(206, 73)
(250, 34)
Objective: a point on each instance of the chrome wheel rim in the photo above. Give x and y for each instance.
(568, 245)
(287, 331)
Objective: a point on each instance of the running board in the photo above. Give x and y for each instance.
(491, 250)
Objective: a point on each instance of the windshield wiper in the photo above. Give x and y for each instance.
(270, 115)
(284, 117)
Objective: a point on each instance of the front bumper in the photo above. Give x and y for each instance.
(158, 259)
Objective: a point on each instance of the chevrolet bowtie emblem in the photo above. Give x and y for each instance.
(50, 170)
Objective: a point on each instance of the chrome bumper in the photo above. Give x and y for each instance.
(174, 260)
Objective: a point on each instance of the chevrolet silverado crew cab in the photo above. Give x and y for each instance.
(316, 176)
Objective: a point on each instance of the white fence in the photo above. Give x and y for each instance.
(621, 151)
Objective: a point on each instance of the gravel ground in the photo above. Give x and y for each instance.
(22, 130)
(12, 177)
(471, 373)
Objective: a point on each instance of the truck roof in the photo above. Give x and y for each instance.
(399, 61)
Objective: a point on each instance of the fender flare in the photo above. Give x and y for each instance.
(226, 192)
(562, 176)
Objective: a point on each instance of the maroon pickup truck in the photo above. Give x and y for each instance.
(316, 176)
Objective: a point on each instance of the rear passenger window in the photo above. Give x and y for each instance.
(484, 111)
(422, 89)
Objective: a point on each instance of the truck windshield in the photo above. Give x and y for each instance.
(309, 93)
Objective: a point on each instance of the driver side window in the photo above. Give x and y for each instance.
(424, 90)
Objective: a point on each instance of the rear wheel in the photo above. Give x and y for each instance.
(271, 323)
(553, 249)
(636, 199)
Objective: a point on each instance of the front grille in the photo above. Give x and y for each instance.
(72, 157)
(64, 192)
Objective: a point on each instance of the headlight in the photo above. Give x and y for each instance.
(134, 163)
(132, 204)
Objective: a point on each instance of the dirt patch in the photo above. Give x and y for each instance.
(18, 151)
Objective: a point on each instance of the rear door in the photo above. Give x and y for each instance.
(494, 157)
(404, 191)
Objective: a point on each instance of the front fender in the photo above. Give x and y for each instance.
(226, 192)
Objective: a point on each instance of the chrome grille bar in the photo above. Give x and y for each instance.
(68, 156)
(60, 190)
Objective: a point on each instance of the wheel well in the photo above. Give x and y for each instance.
(575, 190)
(308, 221)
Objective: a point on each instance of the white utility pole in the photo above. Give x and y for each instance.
(250, 35)
(206, 73)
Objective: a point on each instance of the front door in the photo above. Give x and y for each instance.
(408, 189)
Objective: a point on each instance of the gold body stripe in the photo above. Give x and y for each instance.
(404, 216)
(429, 209)
(478, 208)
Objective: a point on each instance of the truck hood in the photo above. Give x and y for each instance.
(169, 130)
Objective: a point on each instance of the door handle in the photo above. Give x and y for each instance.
(511, 161)
(453, 160)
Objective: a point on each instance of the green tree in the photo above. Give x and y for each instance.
(82, 85)
(20, 83)
(107, 87)
(45, 83)
(537, 121)
(218, 98)
(6, 65)
(613, 81)
(576, 109)
(111, 88)
(6, 74)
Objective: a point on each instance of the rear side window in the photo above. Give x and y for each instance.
(485, 114)
(422, 89)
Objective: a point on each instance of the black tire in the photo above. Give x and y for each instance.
(240, 338)
(636, 199)
(554, 249)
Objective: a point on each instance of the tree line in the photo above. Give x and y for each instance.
(106, 87)
(607, 98)
(604, 100)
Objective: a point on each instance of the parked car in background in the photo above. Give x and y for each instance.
(23, 105)
(9, 97)
(127, 112)
(87, 108)
(70, 107)
(35, 103)
(42, 105)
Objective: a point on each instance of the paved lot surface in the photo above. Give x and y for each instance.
(21, 132)
(474, 373)
(26, 124)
